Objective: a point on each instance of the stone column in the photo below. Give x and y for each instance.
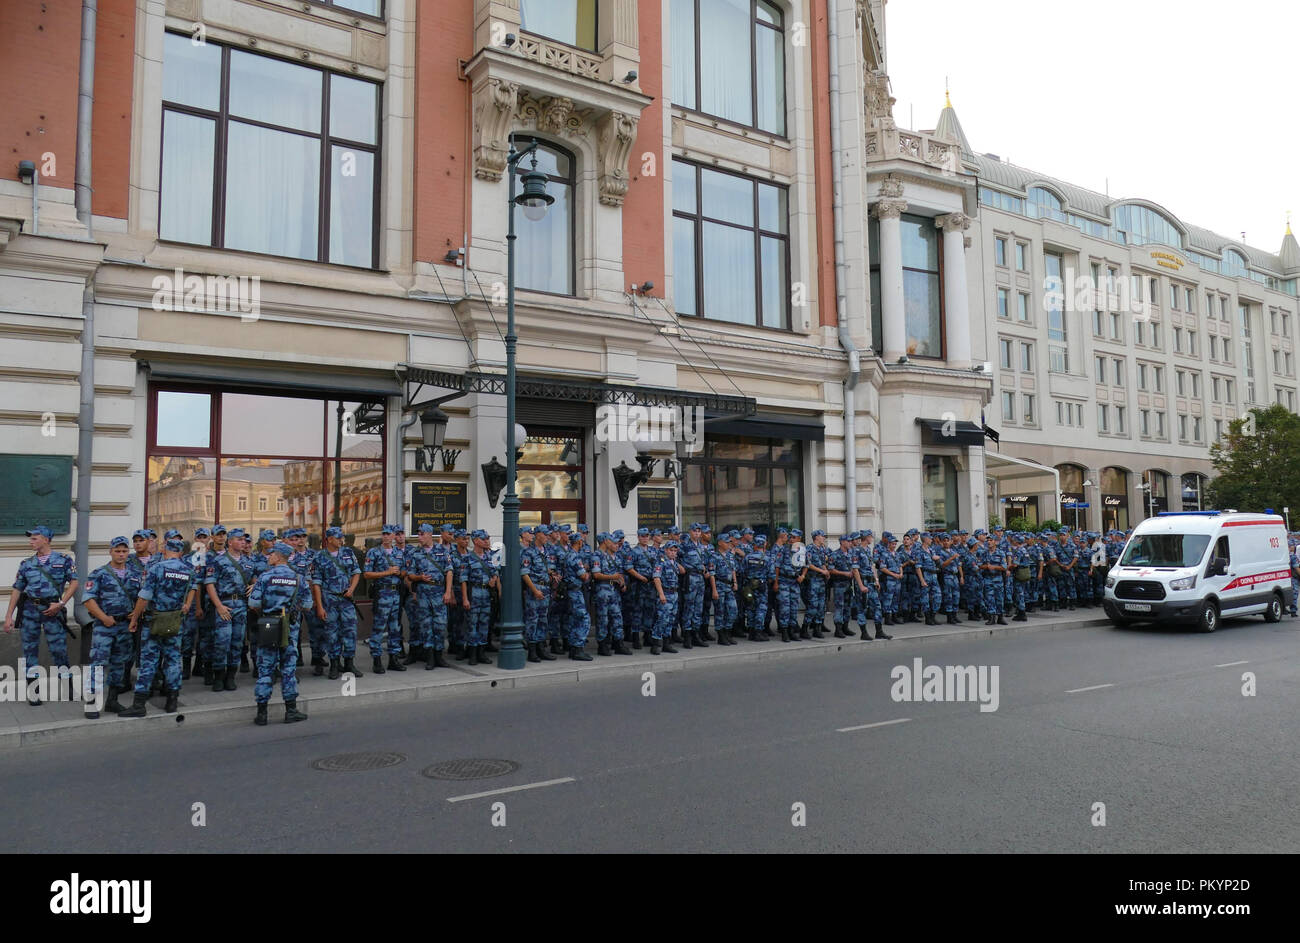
(893, 320)
(956, 305)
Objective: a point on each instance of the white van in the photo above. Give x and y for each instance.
(1199, 567)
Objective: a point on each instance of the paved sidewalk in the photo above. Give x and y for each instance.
(24, 725)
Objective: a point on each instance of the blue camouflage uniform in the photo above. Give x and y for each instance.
(950, 578)
(42, 583)
(332, 572)
(758, 572)
(642, 560)
(863, 559)
(690, 556)
(787, 587)
(841, 586)
(609, 608)
(578, 626)
(476, 572)
(429, 626)
(115, 592)
(277, 589)
(535, 562)
(231, 579)
(931, 593)
(665, 570)
(887, 559)
(166, 585)
(994, 560)
(301, 563)
(972, 578)
(1022, 555)
(724, 577)
(1295, 580)
(387, 600)
(1065, 555)
(815, 613)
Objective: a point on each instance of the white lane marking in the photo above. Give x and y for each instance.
(883, 723)
(1095, 687)
(498, 792)
(1229, 664)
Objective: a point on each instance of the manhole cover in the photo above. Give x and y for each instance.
(355, 762)
(470, 769)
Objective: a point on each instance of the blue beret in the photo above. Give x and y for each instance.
(334, 532)
(119, 542)
(282, 548)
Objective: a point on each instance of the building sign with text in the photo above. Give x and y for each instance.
(656, 507)
(35, 489)
(438, 503)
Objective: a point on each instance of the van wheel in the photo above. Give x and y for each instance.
(1274, 611)
(1209, 620)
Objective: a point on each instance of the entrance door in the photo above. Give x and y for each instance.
(551, 481)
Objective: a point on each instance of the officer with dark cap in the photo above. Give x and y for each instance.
(278, 591)
(46, 581)
(110, 595)
(169, 589)
(383, 570)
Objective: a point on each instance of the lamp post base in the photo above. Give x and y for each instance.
(513, 655)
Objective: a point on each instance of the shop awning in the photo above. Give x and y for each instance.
(250, 377)
(770, 426)
(1020, 476)
(950, 432)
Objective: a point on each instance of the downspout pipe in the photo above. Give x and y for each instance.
(86, 413)
(841, 279)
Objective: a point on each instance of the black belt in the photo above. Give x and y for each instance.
(46, 601)
(478, 585)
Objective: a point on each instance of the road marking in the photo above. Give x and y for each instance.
(1231, 663)
(883, 723)
(498, 792)
(1095, 687)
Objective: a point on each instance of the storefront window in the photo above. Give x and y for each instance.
(1192, 492)
(745, 482)
(276, 465)
(939, 492)
(1074, 503)
(1114, 499)
(1157, 497)
(549, 476)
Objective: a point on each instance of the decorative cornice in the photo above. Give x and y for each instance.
(617, 132)
(889, 209)
(553, 114)
(953, 222)
(494, 107)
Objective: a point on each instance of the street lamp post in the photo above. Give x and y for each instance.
(534, 201)
(336, 519)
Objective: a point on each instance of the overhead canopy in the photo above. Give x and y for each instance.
(277, 375)
(1021, 476)
(770, 425)
(950, 432)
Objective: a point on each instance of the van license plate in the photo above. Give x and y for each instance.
(1137, 606)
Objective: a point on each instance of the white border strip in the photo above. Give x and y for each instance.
(883, 723)
(499, 792)
(1095, 687)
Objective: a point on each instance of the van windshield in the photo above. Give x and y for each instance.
(1165, 550)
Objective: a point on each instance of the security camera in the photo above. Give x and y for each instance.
(630, 77)
(26, 171)
(509, 40)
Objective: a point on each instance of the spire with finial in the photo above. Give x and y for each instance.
(949, 128)
(1289, 255)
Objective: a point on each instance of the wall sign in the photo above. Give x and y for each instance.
(35, 489)
(438, 503)
(656, 507)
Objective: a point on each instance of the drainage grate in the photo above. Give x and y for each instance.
(355, 762)
(470, 769)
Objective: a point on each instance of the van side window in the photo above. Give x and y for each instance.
(1221, 552)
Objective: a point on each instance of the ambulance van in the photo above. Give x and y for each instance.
(1200, 567)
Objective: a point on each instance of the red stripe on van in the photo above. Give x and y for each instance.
(1254, 524)
(1258, 578)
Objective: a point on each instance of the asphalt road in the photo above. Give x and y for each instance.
(1152, 723)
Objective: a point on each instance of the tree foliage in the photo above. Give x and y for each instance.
(1259, 470)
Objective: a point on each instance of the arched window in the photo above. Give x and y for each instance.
(1155, 491)
(1140, 225)
(544, 248)
(1114, 498)
(728, 60)
(569, 21)
(1234, 263)
(1044, 204)
(1193, 491)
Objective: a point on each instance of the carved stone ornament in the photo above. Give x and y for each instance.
(891, 188)
(953, 222)
(617, 132)
(890, 209)
(494, 107)
(553, 115)
(879, 103)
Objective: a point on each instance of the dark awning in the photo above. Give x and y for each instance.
(992, 434)
(283, 376)
(564, 389)
(950, 432)
(770, 426)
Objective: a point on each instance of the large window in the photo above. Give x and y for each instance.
(1044, 204)
(728, 60)
(257, 461)
(939, 492)
(922, 287)
(742, 481)
(550, 476)
(269, 156)
(731, 248)
(1058, 354)
(1192, 491)
(569, 21)
(1140, 225)
(544, 248)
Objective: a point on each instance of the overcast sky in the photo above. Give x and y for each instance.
(1189, 104)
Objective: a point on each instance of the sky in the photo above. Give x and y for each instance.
(1190, 104)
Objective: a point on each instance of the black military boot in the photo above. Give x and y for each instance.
(866, 636)
(754, 636)
(839, 630)
(990, 619)
(218, 679)
(532, 653)
(416, 654)
(619, 647)
(654, 646)
(785, 633)
(466, 654)
(697, 636)
(480, 654)
(1072, 605)
(489, 647)
(685, 639)
(1020, 616)
(1001, 619)
(334, 669)
(818, 630)
(111, 703)
(636, 639)
(880, 633)
(349, 665)
(430, 662)
(724, 638)
(556, 649)
(243, 663)
(930, 619)
(705, 634)
(544, 651)
(395, 664)
(805, 633)
(667, 646)
(291, 713)
(173, 701)
(602, 647)
(137, 708)
(578, 654)
(230, 679)
(377, 665)
(260, 719)
(317, 666)
(186, 664)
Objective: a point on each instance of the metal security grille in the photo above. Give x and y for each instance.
(470, 769)
(1139, 589)
(357, 762)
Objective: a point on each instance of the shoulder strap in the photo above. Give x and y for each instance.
(120, 584)
(48, 575)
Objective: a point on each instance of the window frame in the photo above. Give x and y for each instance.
(594, 49)
(519, 137)
(221, 120)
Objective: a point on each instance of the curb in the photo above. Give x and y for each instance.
(202, 715)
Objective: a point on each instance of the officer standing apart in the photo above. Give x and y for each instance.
(111, 593)
(45, 581)
(278, 591)
(171, 587)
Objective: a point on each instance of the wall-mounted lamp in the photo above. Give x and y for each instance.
(570, 455)
(494, 479)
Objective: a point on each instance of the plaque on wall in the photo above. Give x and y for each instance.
(438, 503)
(35, 489)
(656, 507)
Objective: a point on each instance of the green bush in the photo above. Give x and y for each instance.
(994, 521)
(1022, 524)
(1049, 525)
